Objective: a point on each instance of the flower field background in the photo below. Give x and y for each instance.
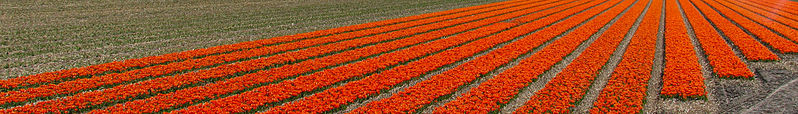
(445, 56)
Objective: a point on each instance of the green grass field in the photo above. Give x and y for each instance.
(44, 36)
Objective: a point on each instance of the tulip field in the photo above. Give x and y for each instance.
(515, 56)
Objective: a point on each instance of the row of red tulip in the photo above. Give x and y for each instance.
(425, 92)
(569, 85)
(775, 25)
(402, 49)
(784, 3)
(370, 85)
(322, 101)
(788, 20)
(777, 42)
(749, 47)
(57, 76)
(120, 78)
(283, 90)
(721, 57)
(179, 97)
(778, 6)
(682, 76)
(162, 84)
(789, 14)
(626, 89)
(248, 81)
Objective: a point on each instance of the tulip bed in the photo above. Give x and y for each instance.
(469, 60)
(625, 90)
